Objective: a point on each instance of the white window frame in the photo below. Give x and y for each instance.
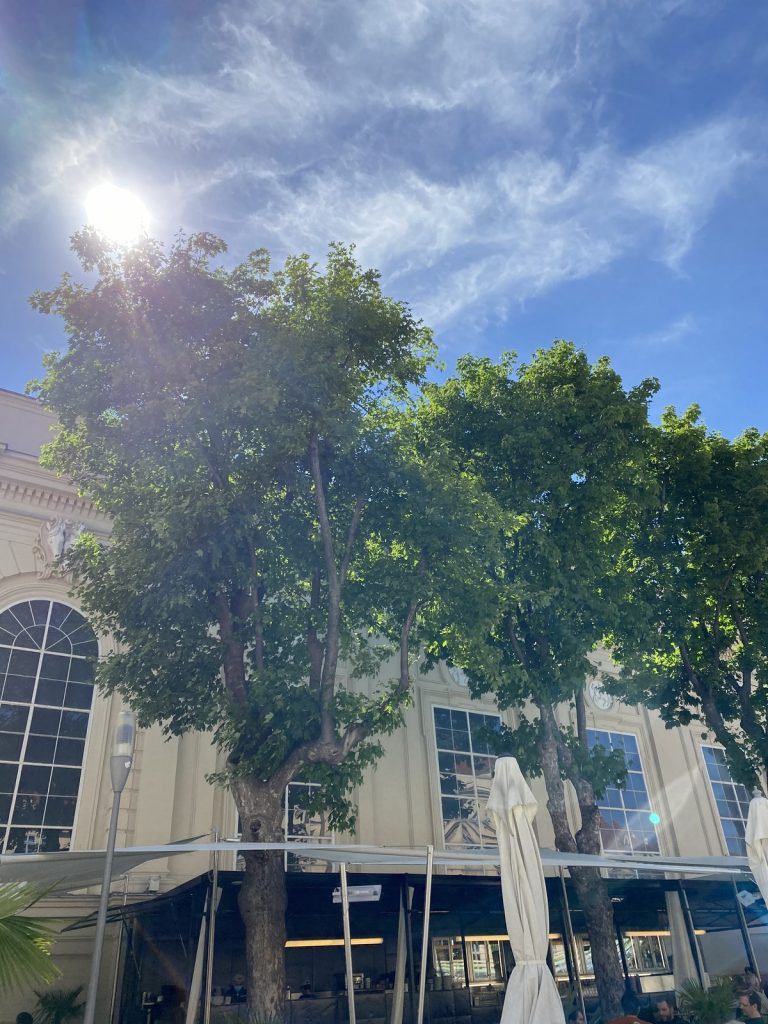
(40, 652)
(438, 750)
(623, 809)
(735, 786)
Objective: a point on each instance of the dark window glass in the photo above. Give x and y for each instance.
(79, 695)
(81, 670)
(34, 778)
(54, 667)
(65, 781)
(18, 688)
(74, 723)
(60, 810)
(29, 809)
(8, 773)
(51, 692)
(24, 663)
(45, 722)
(69, 751)
(10, 746)
(13, 718)
(38, 797)
(40, 749)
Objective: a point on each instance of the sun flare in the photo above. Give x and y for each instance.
(116, 213)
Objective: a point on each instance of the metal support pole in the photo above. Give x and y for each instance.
(571, 939)
(689, 927)
(213, 905)
(464, 955)
(101, 915)
(347, 942)
(119, 769)
(750, 949)
(425, 935)
(622, 952)
(411, 954)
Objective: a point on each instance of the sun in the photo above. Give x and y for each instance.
(116, 213)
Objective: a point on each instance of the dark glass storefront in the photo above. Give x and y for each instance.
(469, 958)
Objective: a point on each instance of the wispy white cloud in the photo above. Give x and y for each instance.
(456, 144)
(669, 334)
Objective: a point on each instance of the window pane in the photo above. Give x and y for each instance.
(732, 799)
(36, 663)
(466, 770)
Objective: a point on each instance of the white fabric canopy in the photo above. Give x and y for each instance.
(757, 842)
(532, 996)
(76, 869)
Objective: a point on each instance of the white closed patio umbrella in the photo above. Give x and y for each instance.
(532, 996)
(756, 837)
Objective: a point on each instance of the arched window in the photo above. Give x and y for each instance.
(47, 659)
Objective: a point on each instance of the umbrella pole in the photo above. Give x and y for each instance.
(689, 927)
(425, 935)
(347, 942)
(213, 906)
(750, 949)
(571, 939)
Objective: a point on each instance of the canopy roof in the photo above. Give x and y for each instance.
(76, 869)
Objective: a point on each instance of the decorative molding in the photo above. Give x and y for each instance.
(54, 539)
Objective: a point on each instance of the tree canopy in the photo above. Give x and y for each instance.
(561, 446)
(273, 511)
(694, 636)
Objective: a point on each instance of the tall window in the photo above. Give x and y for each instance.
(465, 765)
(47, 659)
(732, 799)
(625, 825)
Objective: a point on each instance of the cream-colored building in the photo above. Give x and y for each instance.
(55, 736)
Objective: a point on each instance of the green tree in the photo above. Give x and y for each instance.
(246, 431)
(694, 644)
(559, 445)
(25, 941)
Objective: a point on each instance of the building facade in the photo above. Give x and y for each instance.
(430, 787)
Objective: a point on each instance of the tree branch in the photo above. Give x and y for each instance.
(354, 526)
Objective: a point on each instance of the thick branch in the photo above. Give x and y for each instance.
(354, 526)
(332, 634)
(234, 652)
(513, 639)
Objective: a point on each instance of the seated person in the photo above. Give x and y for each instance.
(306, 991)
(666, 1010)
(237, 991)
(630, 1004)
(751, 1006)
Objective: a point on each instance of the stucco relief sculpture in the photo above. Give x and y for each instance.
(54, 540)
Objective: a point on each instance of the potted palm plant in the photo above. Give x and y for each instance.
(714, 1005)
(59, 1006)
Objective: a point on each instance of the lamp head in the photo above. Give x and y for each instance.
(125, 735)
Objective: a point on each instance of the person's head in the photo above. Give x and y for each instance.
(575, 1017)
(238, 980)
(24, 1018)
(750, 1005)
(665, 1009)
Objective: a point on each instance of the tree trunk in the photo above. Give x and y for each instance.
(596, 905)
(263, 898)
(590, 886)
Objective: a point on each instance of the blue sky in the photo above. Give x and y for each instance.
(519, 170)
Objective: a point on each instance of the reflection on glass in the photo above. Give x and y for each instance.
(47, 660)
(466, 772)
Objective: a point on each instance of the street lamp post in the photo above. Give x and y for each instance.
(119, 768)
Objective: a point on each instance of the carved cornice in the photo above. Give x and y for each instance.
(17, 496)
